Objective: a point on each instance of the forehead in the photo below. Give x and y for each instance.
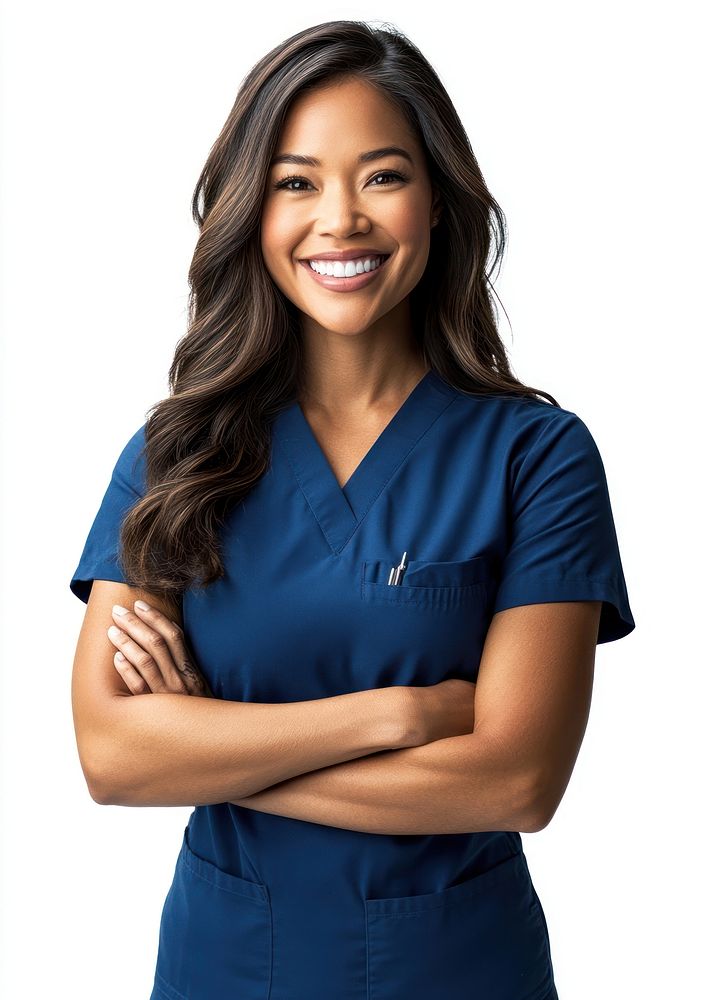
(338, 120)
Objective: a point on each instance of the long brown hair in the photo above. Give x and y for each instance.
(208, 441)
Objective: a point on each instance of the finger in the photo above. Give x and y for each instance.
(143, 662)
(133, 681)
(191, 676)
(156, 644)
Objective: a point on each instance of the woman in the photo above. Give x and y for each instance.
(377, 562)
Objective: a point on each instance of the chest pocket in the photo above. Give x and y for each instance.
(439, 586)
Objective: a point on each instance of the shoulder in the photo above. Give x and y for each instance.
(519, 423)
(129, 469)
(526, 441)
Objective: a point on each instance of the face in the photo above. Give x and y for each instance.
(379, 207)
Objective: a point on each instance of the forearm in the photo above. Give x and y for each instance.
(168, 750)
(462, 784)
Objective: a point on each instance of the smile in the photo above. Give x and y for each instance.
(346, 275)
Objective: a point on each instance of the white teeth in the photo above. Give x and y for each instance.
(345, 268)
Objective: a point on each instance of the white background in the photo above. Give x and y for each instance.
(587, 121)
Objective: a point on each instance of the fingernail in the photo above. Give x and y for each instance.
(142, 605)
(113, 632)
(119, 610)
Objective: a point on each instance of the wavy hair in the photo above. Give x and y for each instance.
(208, 442)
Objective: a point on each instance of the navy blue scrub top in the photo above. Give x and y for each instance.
(498, 501)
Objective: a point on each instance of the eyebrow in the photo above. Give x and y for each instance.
(372, 154)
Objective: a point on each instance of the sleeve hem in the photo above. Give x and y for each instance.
(81, 585)
(616, 620)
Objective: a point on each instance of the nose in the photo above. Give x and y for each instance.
(339, 214)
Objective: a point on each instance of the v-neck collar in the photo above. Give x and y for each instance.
(339, 510)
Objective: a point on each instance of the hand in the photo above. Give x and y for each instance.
(442, 710)
(156, 658)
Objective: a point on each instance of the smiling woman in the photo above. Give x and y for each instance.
(378, 565)
(375, 205)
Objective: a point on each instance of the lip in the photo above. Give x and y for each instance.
(350, 254)
(343, 284)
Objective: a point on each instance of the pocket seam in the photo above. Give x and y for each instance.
(413, 590)
(411, 906)
(214, 876)
(444, 599)
(166, 989)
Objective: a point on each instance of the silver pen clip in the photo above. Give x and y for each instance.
(396, 572)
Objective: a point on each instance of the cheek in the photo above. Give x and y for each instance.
(277, 239)
(416, 245)
(412, 232)
(412, 229)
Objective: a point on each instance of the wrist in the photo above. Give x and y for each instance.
(397, 717)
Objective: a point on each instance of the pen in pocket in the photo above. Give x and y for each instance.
(396, 572)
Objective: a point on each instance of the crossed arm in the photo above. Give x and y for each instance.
(451, 785)
(531, 707)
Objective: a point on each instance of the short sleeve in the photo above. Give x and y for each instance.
(563, 544)
(99, 559)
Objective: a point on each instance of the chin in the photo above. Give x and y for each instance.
(344, 329)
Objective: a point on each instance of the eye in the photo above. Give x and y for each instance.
(295, 179)
(290, 180)
(390, 173)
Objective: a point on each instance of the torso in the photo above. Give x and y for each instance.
(269, 907)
